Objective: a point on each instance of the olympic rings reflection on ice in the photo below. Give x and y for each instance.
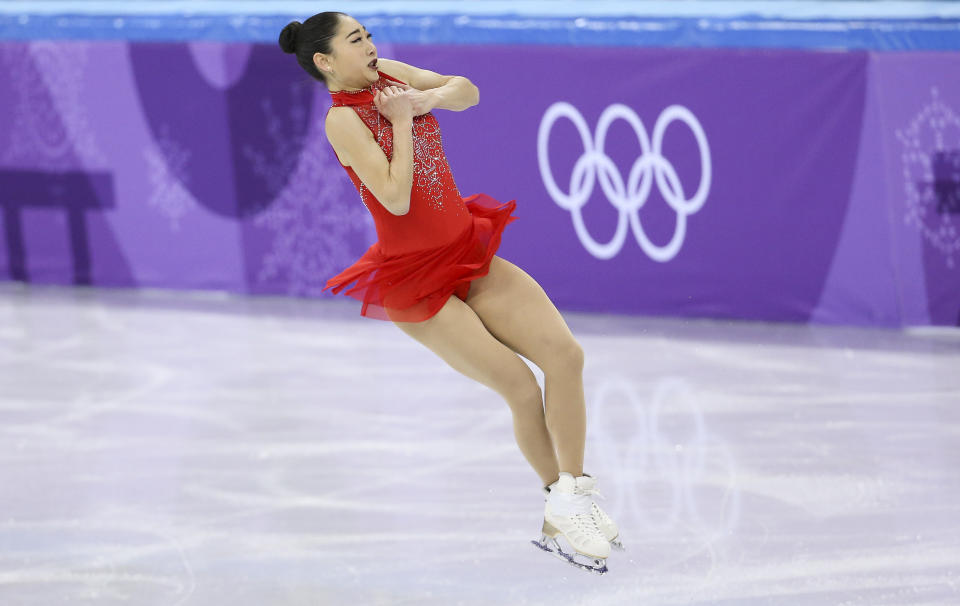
(639, 446)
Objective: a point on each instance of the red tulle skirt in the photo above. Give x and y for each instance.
(413, 287)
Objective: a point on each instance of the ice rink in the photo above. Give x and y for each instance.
(170, 448)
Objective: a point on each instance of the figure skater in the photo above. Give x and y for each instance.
(433, 243)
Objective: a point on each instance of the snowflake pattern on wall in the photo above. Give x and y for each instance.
(313, 219)
(274, 166)
(931, 172)
(51, 127)
(168, 177)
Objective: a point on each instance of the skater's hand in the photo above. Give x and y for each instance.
(401, 101)
(423, 101)
(394, 103)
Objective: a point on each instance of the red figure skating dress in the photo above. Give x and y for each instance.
(434, 250)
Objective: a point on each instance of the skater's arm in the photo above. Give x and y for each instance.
(390, 181)
(455, 93)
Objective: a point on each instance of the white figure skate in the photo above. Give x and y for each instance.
(607, 525)
(568, 512)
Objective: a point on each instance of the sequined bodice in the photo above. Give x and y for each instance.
(437, 211)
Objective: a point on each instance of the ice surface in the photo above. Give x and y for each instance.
(177, 448)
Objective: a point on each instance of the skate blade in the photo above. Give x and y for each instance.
(550, 545)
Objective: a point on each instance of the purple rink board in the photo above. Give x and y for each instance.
(779, 185)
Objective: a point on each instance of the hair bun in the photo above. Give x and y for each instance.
(288, 37)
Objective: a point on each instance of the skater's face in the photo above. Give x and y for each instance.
(348, 65)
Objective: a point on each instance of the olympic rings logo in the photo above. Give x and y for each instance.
(627, 198)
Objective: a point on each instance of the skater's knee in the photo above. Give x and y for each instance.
(523, 393)
(566, 356)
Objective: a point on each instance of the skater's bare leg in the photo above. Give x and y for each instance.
(458, 336)
(516, 310)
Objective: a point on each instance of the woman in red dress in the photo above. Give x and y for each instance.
(433, 271)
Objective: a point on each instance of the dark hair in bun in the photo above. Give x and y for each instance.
(311, 36)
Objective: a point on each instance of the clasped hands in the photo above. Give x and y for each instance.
(400, 101)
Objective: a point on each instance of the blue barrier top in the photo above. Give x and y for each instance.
(792, 24)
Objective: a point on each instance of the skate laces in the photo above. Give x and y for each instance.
(572, 504)
(589, 491)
